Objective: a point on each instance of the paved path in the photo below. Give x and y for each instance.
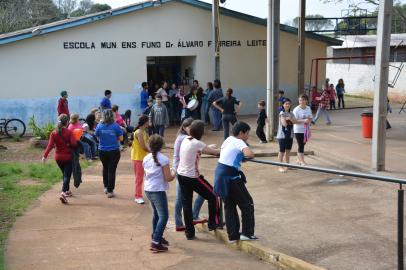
(348, 224)
(94, 232)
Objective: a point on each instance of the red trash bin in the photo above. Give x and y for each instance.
(366, 124)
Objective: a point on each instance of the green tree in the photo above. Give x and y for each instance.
(88, 7)
(13, 15)
(66, 7)
(42, 12)
(314, 25)
(99, 8)
(398, 18)
(20, 14)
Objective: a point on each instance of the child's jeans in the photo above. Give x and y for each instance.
(159, 204)
(88, 138)
(159, 129)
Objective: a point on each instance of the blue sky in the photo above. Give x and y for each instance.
(289, 8)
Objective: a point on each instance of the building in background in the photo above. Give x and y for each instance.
(154, 40)
(358, 74)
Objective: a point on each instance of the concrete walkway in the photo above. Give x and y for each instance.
(336, 223)
(94, 232)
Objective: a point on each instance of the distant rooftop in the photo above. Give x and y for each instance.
(369, 41)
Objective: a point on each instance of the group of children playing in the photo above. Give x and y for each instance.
(152, 169)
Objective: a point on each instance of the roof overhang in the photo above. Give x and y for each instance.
(75, 22)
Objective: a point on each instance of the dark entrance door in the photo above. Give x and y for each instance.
(165, 68)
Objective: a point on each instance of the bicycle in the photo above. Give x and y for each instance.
(12, 127)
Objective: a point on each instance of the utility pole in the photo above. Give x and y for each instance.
(215, 42)
(301, 47)
(272, 63)
(381, 84)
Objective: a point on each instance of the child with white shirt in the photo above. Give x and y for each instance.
(190, 179)
(229, 184)
(157, 176)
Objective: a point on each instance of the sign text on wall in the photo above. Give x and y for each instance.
(69, 45)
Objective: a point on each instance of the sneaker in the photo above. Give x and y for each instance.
(216, 227)
(328, 123)
(313, 123)
(139, 200)
(248, 238)
(262, 142)
(68, 193)
(282, 169)
(63, 199)
(158, 248)
(110, 194)
(180, 228)
(200, 221)
(105, 191)
(164, 242)
(191, 237)
(232, 242)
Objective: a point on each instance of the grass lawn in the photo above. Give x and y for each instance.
(20, 184)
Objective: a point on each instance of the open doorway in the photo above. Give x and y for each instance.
(173, 69)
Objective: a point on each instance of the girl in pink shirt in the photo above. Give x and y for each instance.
(83, 143)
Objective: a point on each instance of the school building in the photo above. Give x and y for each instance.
(154, 40)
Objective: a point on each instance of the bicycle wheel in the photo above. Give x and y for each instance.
(14, 128)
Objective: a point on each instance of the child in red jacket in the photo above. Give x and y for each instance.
(63, 141)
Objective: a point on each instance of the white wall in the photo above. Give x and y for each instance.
(35, 70)
(358, 78)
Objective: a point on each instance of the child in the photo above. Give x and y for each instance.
(139, 150)
(157, 176)
(121, 123)
(190, 179)
(182, 134)
(127, 120)
(105, 104)
(261, 120)
(158, 117)
(63, 141)
(340, 90)
(109, 135)
(230, 184)
(301, 112)
(146, 112)
(281, 99)
(333, 97)
(314, 104)
(148, 109)
(324, 102)
(84, 143)
(285, 132)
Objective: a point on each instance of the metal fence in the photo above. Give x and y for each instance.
(373, 177)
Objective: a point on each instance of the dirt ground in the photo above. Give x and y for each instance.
(19, 150)
(330, 221)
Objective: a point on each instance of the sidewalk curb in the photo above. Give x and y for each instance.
(261, 252)
(254, 248)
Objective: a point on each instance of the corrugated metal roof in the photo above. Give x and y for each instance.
(366, 41)
(77, 21)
